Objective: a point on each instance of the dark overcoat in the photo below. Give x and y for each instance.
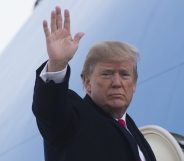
(76, 129)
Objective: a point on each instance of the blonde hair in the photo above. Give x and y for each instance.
(109, 50)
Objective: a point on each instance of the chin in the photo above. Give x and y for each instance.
(117, 106)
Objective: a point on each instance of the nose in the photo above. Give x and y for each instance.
(116, 80)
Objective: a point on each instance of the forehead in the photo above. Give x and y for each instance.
(115, 64)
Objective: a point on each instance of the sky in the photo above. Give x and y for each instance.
(13, 14)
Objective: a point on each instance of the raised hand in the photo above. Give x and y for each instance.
(61, 47)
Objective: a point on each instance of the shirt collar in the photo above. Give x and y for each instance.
(123, 117)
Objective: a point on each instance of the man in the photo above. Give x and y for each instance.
(97, 127)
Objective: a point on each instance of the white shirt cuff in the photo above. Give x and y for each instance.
(57, 77)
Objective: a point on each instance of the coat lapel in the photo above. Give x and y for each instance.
(143, 144)
(130, 139)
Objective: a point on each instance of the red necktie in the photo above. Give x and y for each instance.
(122, 122)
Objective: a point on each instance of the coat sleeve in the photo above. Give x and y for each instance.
(54, 109)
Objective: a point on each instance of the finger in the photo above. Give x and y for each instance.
(53, 21)
(67, 20)
(46, 29)
(58, 18)
(78, 36)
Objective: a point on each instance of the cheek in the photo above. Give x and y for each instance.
(97, 95)
(98, 89)
(130, 89)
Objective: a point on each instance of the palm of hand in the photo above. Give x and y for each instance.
(61, 46)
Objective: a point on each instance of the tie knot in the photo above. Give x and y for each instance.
(122, 122)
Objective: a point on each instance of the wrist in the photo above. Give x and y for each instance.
(54, 66)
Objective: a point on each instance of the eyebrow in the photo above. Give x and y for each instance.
(111, 69)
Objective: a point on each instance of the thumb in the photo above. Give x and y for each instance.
(78, 36)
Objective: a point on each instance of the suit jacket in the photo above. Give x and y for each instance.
(76, 129)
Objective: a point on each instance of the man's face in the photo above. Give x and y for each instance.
(111, 85)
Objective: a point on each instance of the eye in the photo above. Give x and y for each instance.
(125, 74)
(107, 74)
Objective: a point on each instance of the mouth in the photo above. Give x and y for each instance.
(116, 95)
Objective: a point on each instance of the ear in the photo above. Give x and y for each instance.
(87, 84)
(134, 87)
